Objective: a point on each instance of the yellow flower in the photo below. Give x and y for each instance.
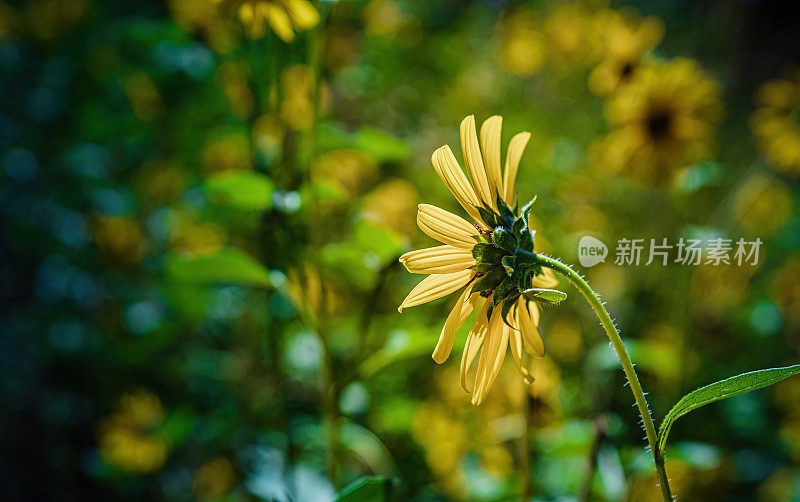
(522, 50)
(663, 121)
(626, 40)
(282, 16)
(126, 437)
(776, 123)
(481, 257)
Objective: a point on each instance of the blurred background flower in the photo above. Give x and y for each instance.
(204, 201)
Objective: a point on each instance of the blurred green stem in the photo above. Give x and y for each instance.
(524, 445)
(624, 359)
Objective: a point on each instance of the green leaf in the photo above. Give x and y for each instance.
(505, 211)
(380, 145)
(245, 190)
(487, 253)
(546, 296)
(229, 265)
(367, 489)
(717, 391)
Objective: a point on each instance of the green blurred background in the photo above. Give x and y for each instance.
(201, 226)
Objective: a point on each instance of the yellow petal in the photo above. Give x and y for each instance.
(474, 340)
(436, 286)
(461, 311)
(252, 17)
(515, 149)
(527, 320)
(278, 20)
(446, 166)
(446, 227)
(438, 260)
(474, 161)
(515, 345)
(492, 355)
(304, 15)
(547, 281)
(490, 146)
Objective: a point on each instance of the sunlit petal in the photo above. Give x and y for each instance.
(436, 286)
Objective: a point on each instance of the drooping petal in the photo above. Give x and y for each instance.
(474, 341)
(304, 15)
(438, 260)
(436, 286)
(445, 227)
(527, 320)
(490, 146)
(515, 345)
(461, 311)
(515, 148)
(492, 355)
(546, 281)
(446, 166)
(278, 20)
(474, 161)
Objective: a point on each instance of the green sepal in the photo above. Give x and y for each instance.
(545, 296)
(504, 240)
(489, 217)
(482, 267)
(525, 240)
(487, 253)
(493, 277)
(508, 304)
(506, 288)
(482, 238)
(508, 264)
(526, 209)
(505, 211)
(518, 225)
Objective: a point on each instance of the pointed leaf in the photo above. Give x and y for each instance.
(228, 265)
(546, 296)
(717, 391)
(489, 217)
(505, 211)
(508, 264)
(367, 489)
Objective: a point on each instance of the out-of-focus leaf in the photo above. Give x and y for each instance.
(246, 190)
(382, 146)
(367, 489)
(723, 389)
(407, 345)
(369, 448)
(228, 265)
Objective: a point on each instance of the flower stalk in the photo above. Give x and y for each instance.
(624, 359)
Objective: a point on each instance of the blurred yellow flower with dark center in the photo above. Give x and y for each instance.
(626, 40)
(521, 50)
(776, 123)
(663, 119)
(282, 16)
(127, 438)
(488, 258)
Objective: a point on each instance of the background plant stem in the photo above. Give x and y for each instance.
(624, 359)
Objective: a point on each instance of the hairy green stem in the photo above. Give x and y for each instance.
(624, 359)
